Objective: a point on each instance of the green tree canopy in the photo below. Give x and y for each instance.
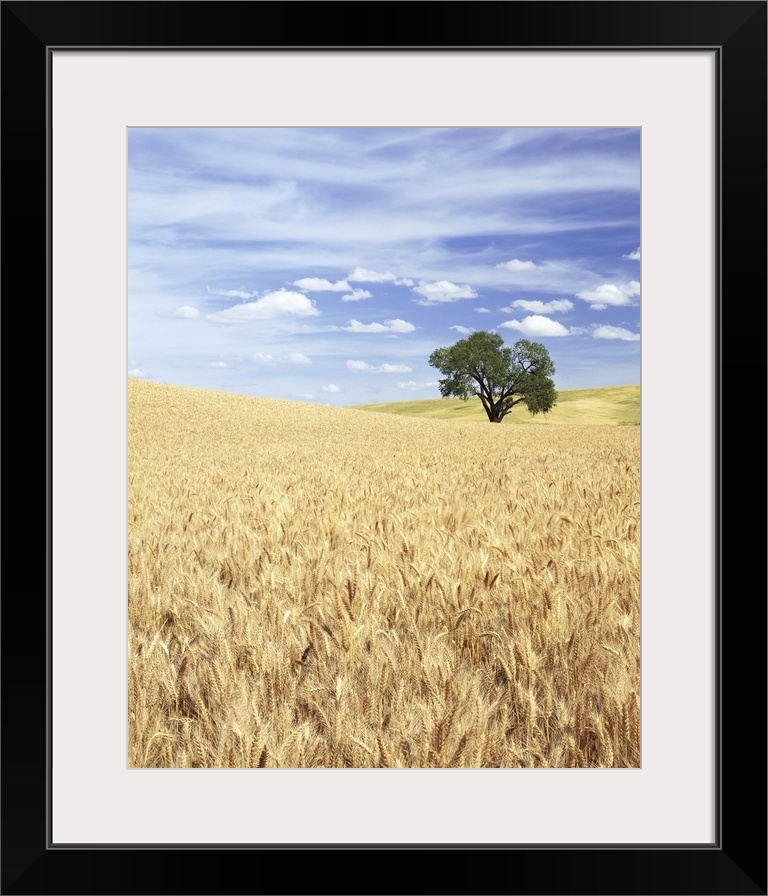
(500, 376)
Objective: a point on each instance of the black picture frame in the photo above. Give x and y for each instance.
(736, 862)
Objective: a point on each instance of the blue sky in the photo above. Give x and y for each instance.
(327, 264)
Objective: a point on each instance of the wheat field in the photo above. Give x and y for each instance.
(317, 587)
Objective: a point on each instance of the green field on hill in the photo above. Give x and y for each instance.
(609, 405)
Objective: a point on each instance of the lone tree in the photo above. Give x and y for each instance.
(500, 376)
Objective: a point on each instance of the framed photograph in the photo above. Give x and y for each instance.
(104, 106)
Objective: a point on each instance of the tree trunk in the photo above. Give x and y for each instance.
(496, 415)
(493, 409)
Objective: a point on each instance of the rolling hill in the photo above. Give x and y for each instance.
(609, 405)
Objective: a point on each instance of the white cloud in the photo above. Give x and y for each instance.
(296, 358)
(459, 329)
(356, 295)
(384, 368)
(400, 326)
(482, 310)
(536, 325)
(633, 256)
(330, 388)
(233, 293)
(612, 294)
(616, 333)
(135, 372)
(363, 275)
(410, 384)
(541, 307)
(289, 358)
(354, 326)
(389, 326)
(318, 284)
(280, 303)
(442, 291)
(217, 364)
(186, 312)
(516, 265)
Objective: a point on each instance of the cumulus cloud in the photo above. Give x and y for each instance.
(330, 388)
(541, 307)
(288, 358)
(135, 372)
(318, 284)
(633, 256)
(354, 326)
(280, 303)
(397, 325)
(296, 358)
(384, 368)
(442, 291)
(615, 333)
(357, 295)
(410, 384)
(614, 294)
(186, 312)
(363, 275)
(536, 325)
(459, 329)
(231, 293)
(516, 265)
(389, 326)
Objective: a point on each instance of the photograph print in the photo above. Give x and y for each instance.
(384, 448)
